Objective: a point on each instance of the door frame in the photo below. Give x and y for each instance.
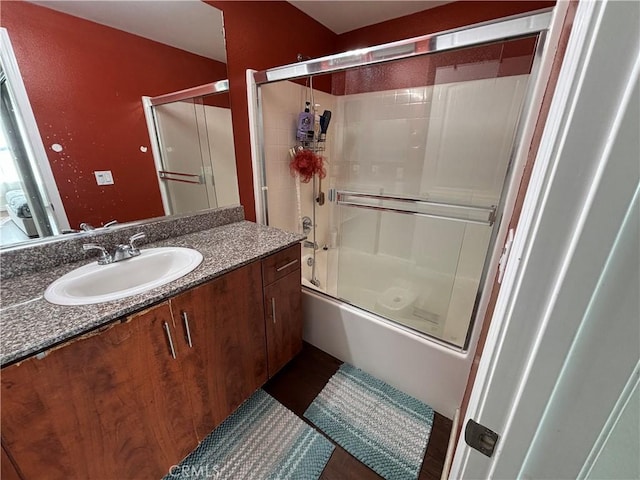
(42, 169)
(525, 350)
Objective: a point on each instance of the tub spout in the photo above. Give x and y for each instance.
(308, 244)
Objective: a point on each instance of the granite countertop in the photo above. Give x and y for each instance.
(29, 324)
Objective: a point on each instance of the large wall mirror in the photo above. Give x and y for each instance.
(85, 68)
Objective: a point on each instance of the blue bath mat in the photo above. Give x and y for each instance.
(384, 428)
(261, 440)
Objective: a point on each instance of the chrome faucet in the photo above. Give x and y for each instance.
(104, 258)
(121, 252)
(308, 244)
(87, 227)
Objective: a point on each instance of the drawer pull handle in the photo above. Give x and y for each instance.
(273, 309)
(168, 332)
(185, 320)
(292, 262)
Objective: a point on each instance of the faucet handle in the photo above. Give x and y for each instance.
(110, 224)
(134, 238)
(104, 258)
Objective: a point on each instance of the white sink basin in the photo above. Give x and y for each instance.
(95, 283)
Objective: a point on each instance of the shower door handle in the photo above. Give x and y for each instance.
(194, 178)
(273, 309)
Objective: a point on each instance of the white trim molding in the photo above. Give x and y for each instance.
(44, 174)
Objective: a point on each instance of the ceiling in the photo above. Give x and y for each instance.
(190, 25)
(196, 27)
(346, 15)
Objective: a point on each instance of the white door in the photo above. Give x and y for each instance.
(558, 379)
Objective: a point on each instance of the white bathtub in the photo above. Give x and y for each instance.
(434, 373)
(425, 368)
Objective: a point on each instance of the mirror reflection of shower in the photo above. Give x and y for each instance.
(192, 141)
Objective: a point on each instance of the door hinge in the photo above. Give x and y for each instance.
(480, 438)
(504, 258)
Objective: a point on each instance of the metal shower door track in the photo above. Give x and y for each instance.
(220, 86)
(477, 34)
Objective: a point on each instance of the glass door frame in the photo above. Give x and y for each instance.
(32, 140)
(148, 104)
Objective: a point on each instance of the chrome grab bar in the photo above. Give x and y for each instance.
(341, 196)
(165, 175)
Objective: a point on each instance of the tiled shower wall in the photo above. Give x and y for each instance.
(448, 142)
(436, 142)
(282, 102)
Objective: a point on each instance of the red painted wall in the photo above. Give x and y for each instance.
(84, 82)
(513, 58)
(445, 17)
(262, 35)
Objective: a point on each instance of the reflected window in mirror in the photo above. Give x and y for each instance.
(29, 203)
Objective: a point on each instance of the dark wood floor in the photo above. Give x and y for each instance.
(299, 382)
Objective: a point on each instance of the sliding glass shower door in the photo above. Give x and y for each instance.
(417, 156)
(425, 153)
(185, 156)
(418, 268)
(193, 147)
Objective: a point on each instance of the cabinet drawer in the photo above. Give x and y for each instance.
(280, 264)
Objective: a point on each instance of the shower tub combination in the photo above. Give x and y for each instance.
(420, 158)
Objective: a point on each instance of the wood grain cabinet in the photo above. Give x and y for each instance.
(223, 344)
(112, 405)
(7, 468)
(282, 303)
(135, 398)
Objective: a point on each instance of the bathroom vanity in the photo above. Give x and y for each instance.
(135, 392)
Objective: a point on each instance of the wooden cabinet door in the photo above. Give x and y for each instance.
(283, 320)
(226, 361)
(110, 405)
(7, 468)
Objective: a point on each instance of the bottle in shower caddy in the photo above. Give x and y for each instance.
(305, 124)
(316, 122)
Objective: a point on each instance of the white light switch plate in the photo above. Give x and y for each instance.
(104, 177)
